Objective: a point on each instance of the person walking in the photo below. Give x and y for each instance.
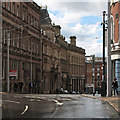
(115, 86)
(15, 87)
(20, 86)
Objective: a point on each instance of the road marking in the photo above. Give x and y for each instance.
(58, 103)
(26, 108)
(12, 101)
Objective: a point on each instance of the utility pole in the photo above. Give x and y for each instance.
(103, 82)
(8, 79)
(109, 53)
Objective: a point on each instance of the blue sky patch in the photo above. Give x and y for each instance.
(90, 20)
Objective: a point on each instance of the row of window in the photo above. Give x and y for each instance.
(15, 65)
(15, 9)
(16, 40)
(47, 50)
(77, 60)
(77, 70)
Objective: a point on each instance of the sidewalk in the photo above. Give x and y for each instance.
(113, 101)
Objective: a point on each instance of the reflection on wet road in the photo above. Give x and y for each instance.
(55, 106)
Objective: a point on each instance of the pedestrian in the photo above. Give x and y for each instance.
(20, 86)
(115, 86)
(15, 87)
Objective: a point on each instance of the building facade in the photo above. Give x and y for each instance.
(20, 29)
(115, 37)
(39, 56)
(97, 74)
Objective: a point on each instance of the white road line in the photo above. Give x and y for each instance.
(12, 101)
(58, 103)
(26, 108)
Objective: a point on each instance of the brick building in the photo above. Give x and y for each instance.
(98, 74)
(39, 55)
(115, 37)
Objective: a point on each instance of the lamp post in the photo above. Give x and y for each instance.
(31, 84)
(8, 79)
(109, 70)
(103, 82)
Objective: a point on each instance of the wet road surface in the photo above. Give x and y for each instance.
(55, 106)
(85, 108)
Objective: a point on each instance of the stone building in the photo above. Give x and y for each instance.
(39, 55)
(115, 40)
(20, 27)
(76, 57)
(57, 55)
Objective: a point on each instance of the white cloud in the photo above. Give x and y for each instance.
(68, 14)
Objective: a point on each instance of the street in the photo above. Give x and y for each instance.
(55, 106)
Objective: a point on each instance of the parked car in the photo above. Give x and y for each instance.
(73, 92)
(65, 92)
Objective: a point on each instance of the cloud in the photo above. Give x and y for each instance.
(70, 15)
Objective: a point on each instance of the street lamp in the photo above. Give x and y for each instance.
(31, 84)
(103, 82)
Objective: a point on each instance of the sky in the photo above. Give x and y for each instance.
(80, 18)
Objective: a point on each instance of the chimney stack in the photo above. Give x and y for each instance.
(73, 40)
(57, 29)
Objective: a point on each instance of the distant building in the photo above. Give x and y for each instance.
(98, 74)
(115, 40)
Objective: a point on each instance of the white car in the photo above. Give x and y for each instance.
(65, 92)
(73, 92)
